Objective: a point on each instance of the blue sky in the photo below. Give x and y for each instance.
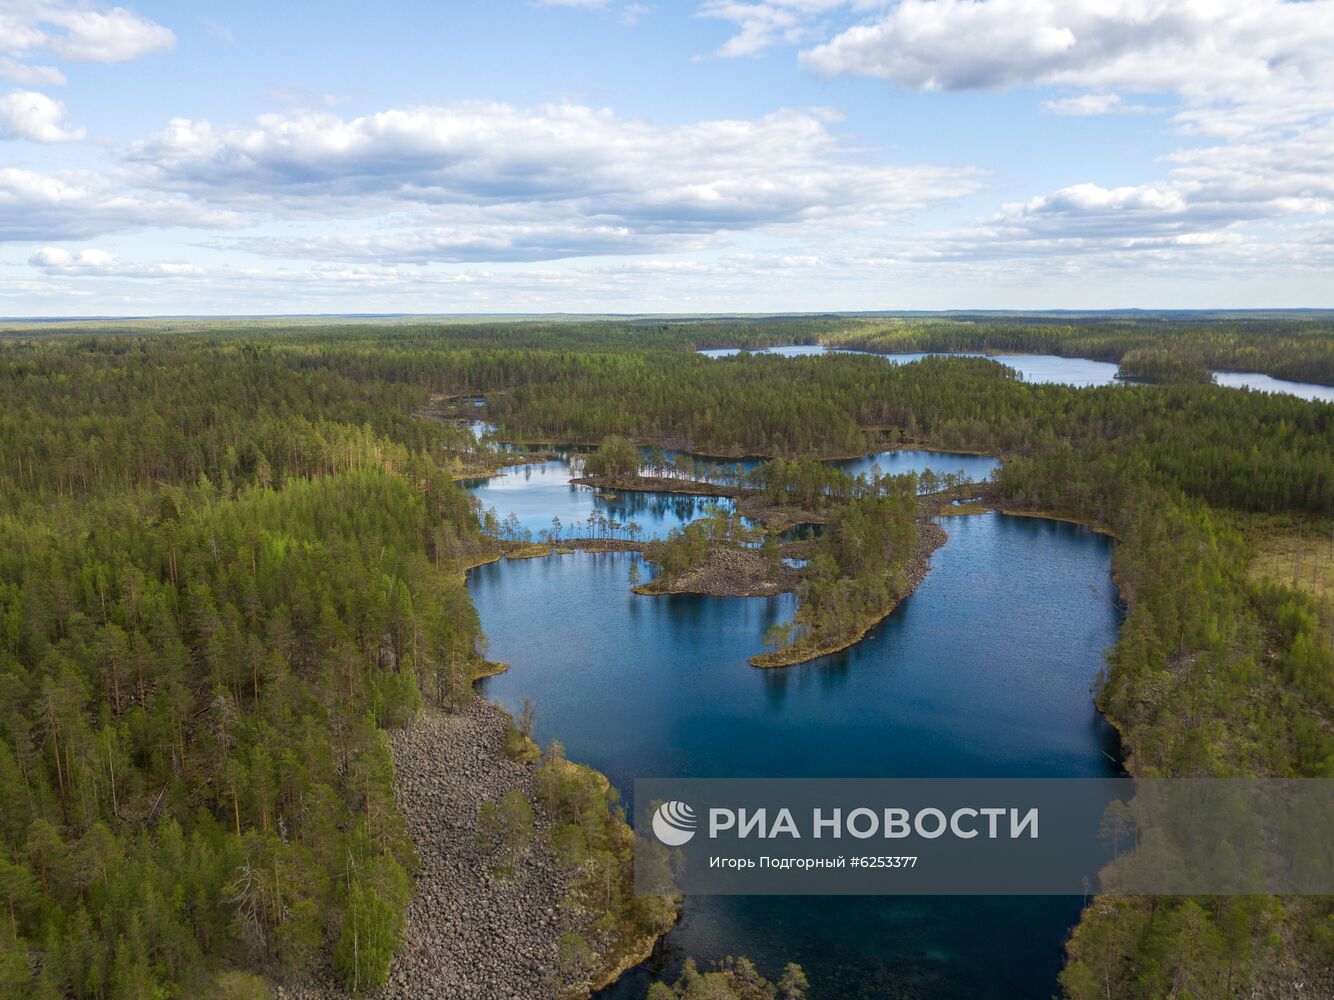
(611, 156)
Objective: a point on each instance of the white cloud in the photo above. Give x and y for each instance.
(544, 182)
(1212, 194)
(109, 36)
(1123, 215)
(1088, 105)
(408, 205)
(12, 69)
(861, 274)
(78, 205)
(1236, 65)
(1256, 74)
(25, 114)
(20, 27)
(468, 242)
(1221, 197)
(767, 23)
(1245, 53)
(92, 262)
(77, 32)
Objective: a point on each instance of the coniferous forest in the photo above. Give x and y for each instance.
(232, 561)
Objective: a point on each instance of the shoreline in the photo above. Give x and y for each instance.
(749, 502)
(685, 447)
(1047, 515)
(662, 484)
(491, 471)
(639, 950)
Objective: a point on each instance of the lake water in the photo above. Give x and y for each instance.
(1267, 383)
(984, 671)
(1042, 368)
(539, 491)
(1052, 369)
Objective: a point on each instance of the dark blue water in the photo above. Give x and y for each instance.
(1050, 368)
(984, 671)
(536, 493)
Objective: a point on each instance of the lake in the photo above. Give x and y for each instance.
(1053, 369)
(984, 671)
(539, 491)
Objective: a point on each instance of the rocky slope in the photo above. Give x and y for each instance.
(467, 933)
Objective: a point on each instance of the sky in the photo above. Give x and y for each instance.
(609, 156)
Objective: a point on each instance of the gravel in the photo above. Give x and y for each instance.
(467, 934)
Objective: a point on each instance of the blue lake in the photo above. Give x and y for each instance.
(539, 491)
(1042, 368)
(984, 671)
(1267, 383)
(1053, 369)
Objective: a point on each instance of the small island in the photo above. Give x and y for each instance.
(719, 554)
(873, 549)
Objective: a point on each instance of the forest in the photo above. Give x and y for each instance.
(1161, 367)
(222, 581)
(231, 560)
(859, 570)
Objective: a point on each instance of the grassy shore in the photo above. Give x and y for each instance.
(533, 550)
(1048, 515)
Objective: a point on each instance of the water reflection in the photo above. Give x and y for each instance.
(538, 492)
(984, 671)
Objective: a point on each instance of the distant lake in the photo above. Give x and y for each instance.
(1053, 369)
(1034, 367)
(1267, 383)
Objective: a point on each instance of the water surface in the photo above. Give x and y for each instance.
(539, 491)
(1053, 369)
(1267, 383)
(984, 671)
(1040, 368)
